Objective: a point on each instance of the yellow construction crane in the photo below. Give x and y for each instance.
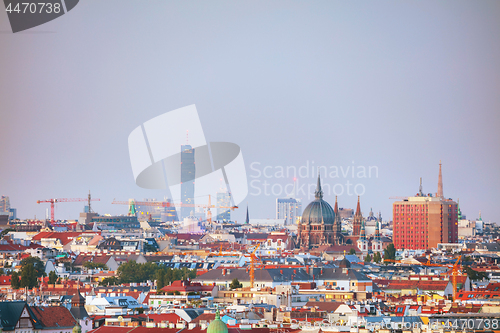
(253, 259)
(133, 203)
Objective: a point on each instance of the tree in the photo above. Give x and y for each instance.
(29, 276)
(368, 258)
(94, 265)
(475, 275)
(377, 257)
(160, 279)
(134, 272)
(235, 284)
(14, 280)
(110, 281)
(352, 251)
(390, 252)
(37, 264)
(6, 231)
(52, 277)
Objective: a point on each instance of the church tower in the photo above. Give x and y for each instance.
(337, 227)
(362, 242)
(357, 220)
(377, 242)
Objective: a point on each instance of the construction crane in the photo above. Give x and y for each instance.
(54, 201)
(455, 271)
(253, 259)
(171, 204)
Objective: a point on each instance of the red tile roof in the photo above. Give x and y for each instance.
(92, 258)
(5, 280)
(422, 285)
(65, 237)
(53, 316)
(165, 317)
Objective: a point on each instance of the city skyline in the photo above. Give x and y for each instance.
(396, 86)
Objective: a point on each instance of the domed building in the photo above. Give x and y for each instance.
(320, 224)
(217, 325)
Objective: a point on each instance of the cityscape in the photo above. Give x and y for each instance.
(262, 167)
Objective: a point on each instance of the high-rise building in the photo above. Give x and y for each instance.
(223, 200)
(289, 208)
(4, 205)
(423, 221)
(188, 175)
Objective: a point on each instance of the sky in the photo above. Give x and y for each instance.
(393, 87)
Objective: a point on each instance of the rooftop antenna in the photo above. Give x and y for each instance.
(420, 193)
(187, 137)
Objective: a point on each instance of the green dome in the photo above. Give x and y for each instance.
(217, 325)
(77, 328)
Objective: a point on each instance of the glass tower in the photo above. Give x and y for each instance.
(188, 171)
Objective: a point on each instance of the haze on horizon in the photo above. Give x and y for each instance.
(394, 85)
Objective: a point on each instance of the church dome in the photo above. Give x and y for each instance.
(319, 210)
(217, 325)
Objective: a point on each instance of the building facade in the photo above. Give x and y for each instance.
(423, 221)
(4, 205)
(288, 209)
(223, 200)
(188, 175)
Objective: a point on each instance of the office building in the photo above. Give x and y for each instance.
(4, 205)
(188, 175)
(223, 200)
(423, 221)
(288, 209)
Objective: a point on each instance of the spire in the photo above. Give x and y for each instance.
(479, 219)
(247, 220)
(358, 208)
(336, 209)
(318, 194)
(440, 182)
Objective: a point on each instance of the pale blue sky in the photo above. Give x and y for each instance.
(398, 85)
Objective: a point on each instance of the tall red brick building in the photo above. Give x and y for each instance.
(423, 221)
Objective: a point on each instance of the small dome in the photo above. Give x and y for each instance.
(344, 263)
(77, 328)
(217, 325)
